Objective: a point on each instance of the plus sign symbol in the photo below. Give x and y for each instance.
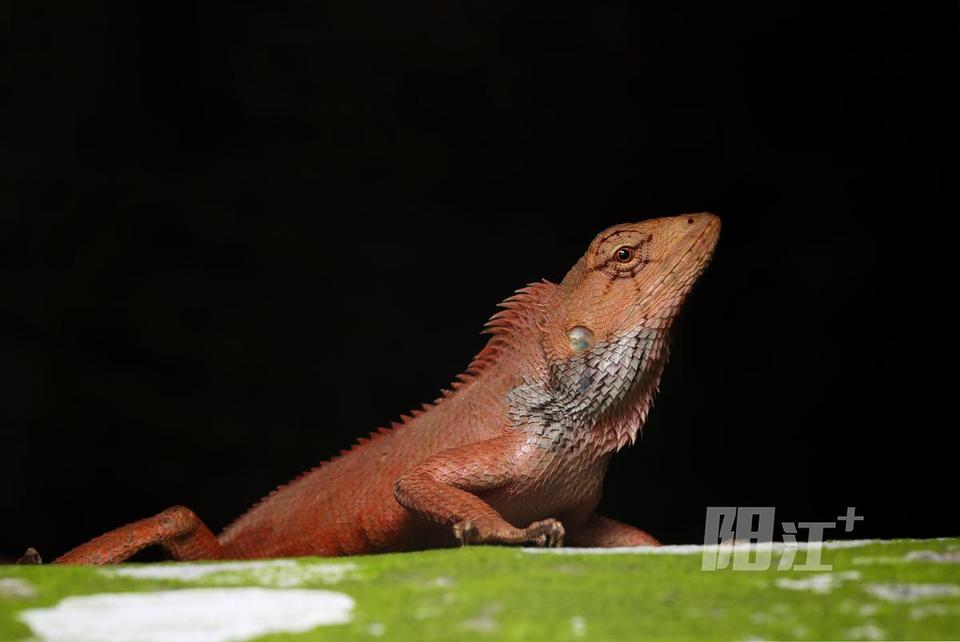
(850, 519)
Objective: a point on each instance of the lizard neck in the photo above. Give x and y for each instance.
(598, 399)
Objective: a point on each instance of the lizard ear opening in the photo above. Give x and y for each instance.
(580, 338)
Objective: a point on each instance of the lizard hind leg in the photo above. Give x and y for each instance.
(603, 532)
(178, 530)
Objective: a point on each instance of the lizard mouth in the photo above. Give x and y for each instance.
(705, 240)
(697, 255)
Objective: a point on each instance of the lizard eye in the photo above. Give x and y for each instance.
(580, 337)
(625, 254)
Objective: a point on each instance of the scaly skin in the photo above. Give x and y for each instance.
(514, 454)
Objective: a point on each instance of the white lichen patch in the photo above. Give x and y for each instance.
(868, 610)
(934, 610)
(759, 617)
(578, 626)
(819, 583)
(15, 587)
(911, 592)
(434, 607)
(939, 557)
(865, 632)
(484, 621)
(699, 549)
(428, 611)
(879, 559)
(946, 557)
(188, 615)
(277, 573)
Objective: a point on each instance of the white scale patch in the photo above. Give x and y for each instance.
(554, 409)
(188, 615)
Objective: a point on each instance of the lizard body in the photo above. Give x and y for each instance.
(515, 453)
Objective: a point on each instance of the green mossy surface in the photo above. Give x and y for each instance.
(503, 593)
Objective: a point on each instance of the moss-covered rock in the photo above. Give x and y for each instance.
(904, 589)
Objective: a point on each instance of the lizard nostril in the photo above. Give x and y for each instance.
(690, 221)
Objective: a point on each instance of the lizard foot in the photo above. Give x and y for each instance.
(466, 532)
(546, 533)
(30, 557)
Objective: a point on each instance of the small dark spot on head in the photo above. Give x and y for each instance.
(690, 221)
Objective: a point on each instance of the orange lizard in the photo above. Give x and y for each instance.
(515, 453)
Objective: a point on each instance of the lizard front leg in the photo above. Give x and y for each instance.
(443, 490)
(603, 532)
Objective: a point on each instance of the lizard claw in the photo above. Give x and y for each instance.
(30, 557)
(466, 532)
(547, 533)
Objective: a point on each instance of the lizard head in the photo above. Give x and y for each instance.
(634, 277)
(604, 332)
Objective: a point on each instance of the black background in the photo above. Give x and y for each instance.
(239, 235)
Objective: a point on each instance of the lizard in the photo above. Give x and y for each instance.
(514, 453)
